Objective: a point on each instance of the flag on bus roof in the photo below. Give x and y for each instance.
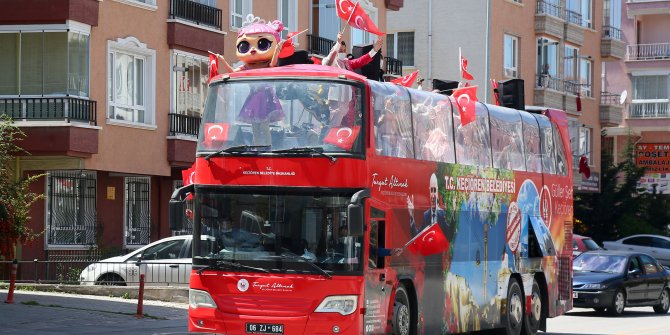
(188, 178)
(465, 98)
(342, 137)
(213, 66)
(407, 80)
(356, 17)
(464, 69)
(496, 93)
(429, 241)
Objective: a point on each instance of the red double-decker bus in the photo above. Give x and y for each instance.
(331, 204)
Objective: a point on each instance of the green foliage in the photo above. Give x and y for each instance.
(15, 196)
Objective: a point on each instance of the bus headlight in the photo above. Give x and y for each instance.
(200, 299)
(343, 304)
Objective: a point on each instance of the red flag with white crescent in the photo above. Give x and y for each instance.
(188, 178)
(215, 134)
(466, 97)
(342, 137)
(356, 16)
(407, 80)
(213, 67)
(428, 242)
(584, 167)
(464, 69)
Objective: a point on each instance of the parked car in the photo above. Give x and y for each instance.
(164, 262)
(583, 243)
(613, 280)
(654, 245)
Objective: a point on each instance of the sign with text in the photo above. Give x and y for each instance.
(654, 156)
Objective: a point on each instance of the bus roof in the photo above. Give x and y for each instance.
(297, 70)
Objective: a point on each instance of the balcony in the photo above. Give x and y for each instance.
(549, 19)
(611, 111)
(648, 52)
(49, 12)
(649, 109)
(195, 26)
(55, 126)
(318, 45)
(196, 13)
(612, 47)
(647, 7)
(559, 93)
(393, 66)
(182, 138)
(574, 32)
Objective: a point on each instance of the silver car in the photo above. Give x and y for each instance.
(654, 245)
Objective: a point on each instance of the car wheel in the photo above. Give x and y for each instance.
(514, 312)
(618, 303)
(664, 302)
(110, 279)
(599, 309)
(532, 321)
(402, 312)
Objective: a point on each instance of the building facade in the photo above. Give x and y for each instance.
(557, 47)
(644, 74)
(110, 95)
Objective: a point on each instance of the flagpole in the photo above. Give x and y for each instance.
(460, 66)
(349, 19)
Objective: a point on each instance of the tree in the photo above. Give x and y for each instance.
(615, 211)
(15, 196)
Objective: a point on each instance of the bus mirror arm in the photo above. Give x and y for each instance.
(177, 207)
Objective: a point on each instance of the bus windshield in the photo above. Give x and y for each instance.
(283, 115)
(279, 231)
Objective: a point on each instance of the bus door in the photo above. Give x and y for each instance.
(378, 282)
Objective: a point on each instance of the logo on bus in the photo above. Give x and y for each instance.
(545, 205)
(513, 227)
(243, 285)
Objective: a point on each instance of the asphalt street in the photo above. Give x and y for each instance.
(60, 313)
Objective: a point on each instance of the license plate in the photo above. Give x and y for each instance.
(575, 295)
(265, 328)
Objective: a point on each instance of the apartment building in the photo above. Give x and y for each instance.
(556, 46)
(644, 74)
(110, 95)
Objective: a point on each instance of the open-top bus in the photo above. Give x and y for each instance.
(332, 204)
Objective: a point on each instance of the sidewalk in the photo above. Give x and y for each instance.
(159, 293)
(36, 312)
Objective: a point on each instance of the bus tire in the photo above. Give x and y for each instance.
(531, 323)
(514, 310)
(402, 312)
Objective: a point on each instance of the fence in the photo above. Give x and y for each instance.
(196, 12)
(319, 45)
(43, 108)
(184, 124)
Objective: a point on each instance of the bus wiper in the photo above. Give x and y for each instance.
(217, 264)
(316, 150)
(292, 256)
(237, 149)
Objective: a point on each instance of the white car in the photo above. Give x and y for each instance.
(654, 245)
(164, 262)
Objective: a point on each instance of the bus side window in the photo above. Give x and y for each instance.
(392, 120)
(431, 116)
(561, 157)
(531, 142)
(547, 145)
(506, 139)
(473, 140)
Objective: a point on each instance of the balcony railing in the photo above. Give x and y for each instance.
(42, 108)
(573, 17)
(658, 108)
(319, 45)
(607, 98)
(393, 66)
(196, 12)
(549, 8)
(181, 124)
(655, 51)
(561, 85)
(612, 32)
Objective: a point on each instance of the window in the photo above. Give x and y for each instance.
(393, 121)
(44, 63)
(650, 87)
(587, 20)
(511, 56)
(210, 3)
(648, 264)
(661, 243)
(288, 14)
(612, 19)
(401, 46)
(239, 9)
(164, 251)
(130, 81)
(644, 241)
(580, 141)
(190, 74)
(71, 208)
(570, 64)
(434, 139)
(585, 77)
(137, 227)
(506, 139)
(473, 141)
(547, 57)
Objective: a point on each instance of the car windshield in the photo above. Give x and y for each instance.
(282, 115)
(599, 263)
(591, 244)
(279, 232)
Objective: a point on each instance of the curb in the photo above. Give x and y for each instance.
(167, 294)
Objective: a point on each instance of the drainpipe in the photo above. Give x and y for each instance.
(487, 52)
(430, 40)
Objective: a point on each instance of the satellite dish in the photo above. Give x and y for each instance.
(623, 97)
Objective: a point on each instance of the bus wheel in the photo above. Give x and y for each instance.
(402, 312)
(513, 314)
(532, 321)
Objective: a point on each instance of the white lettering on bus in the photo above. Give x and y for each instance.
(388, 182)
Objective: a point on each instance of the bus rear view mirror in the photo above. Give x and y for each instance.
(355, 216)
(177, 207)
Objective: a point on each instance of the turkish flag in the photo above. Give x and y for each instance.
(579, 102)
(466, 97)
(188, 178)
(213, 67)
(407, 80)
(464, 69)
(288, 49)
(215, 134)
(356, 17)
(429, 241)
(342, 137)
(496, 94)
(584, 167)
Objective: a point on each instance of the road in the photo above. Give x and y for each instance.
(635, 321)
